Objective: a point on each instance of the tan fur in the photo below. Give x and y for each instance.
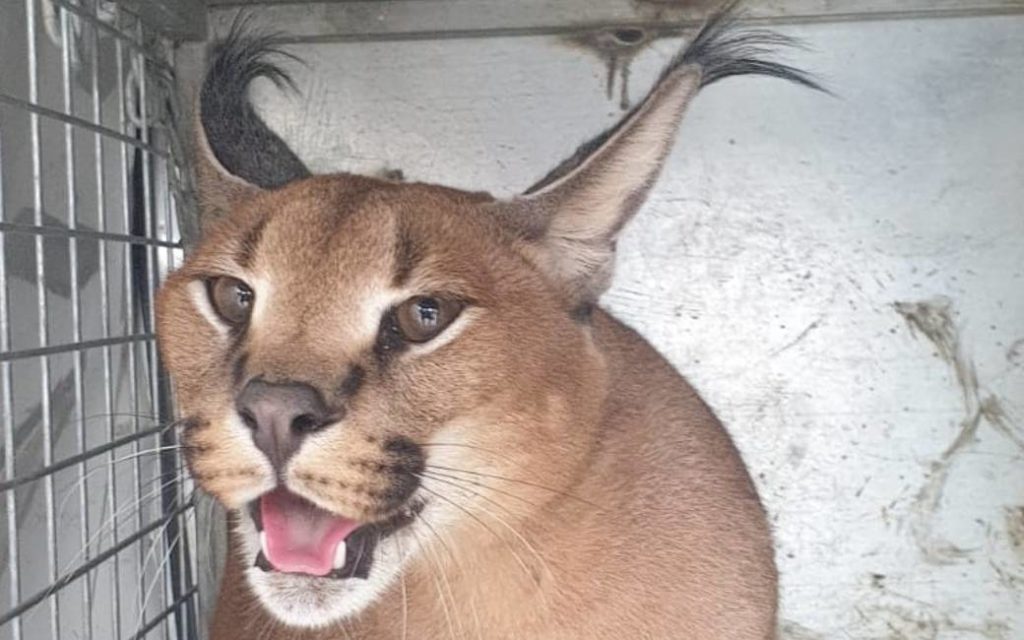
(574, 487)
(647, 524)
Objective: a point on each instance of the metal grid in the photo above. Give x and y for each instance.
(97, 521)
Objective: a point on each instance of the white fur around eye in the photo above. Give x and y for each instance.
(375, 302)
(261, 298)
(201, 301)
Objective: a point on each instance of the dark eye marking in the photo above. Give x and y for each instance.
(408, 253)
(249, 243)
(238, 369)
(389, 340)
(352, 382)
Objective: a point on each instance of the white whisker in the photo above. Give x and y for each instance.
(437, 584)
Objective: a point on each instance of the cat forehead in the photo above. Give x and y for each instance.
(328, 225)
(325, 208)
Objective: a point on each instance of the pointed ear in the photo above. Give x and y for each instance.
(574, 215)
(219, 190)
(571, 218)
(236, 154)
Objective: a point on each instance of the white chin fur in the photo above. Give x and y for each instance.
(306, 601)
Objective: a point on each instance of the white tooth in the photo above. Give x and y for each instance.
(263, 543)
(339, 555)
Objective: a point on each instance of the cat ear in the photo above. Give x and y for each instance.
(571, 218)
(237, 155)
(576, 214)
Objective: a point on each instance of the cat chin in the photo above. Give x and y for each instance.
(314, 602)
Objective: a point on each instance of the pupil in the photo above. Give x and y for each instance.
(244, 296)
(428, 311)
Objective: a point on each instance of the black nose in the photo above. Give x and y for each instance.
(281, 415)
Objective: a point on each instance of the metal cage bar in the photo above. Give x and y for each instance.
(10, 503)
(108, 396)
(90, 164)
(44, 338)
(76, 306)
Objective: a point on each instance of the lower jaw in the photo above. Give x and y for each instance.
(305, 602)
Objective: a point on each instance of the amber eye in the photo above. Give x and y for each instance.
(422, 318)
(231, 298)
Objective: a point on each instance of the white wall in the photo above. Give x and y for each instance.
(768, 266)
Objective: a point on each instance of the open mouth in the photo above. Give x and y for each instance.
(298, 537)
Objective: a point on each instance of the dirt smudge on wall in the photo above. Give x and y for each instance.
(1015, 354)
(616, 47)
(789, 630)
(906, 623)
(933, 318)
(1007, 577)
(1015, 529)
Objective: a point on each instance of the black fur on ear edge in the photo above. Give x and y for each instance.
(238, 138)
(721, 49)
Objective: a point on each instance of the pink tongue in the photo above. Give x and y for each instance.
(301, 537)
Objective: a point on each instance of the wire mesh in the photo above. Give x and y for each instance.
(97, 520)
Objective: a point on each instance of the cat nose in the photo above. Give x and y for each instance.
(281, 415)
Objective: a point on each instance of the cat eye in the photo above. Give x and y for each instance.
(422, 318)
(231, 298)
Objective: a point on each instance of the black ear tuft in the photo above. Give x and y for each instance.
(570, 219)
(722, 49)
(236, 135)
